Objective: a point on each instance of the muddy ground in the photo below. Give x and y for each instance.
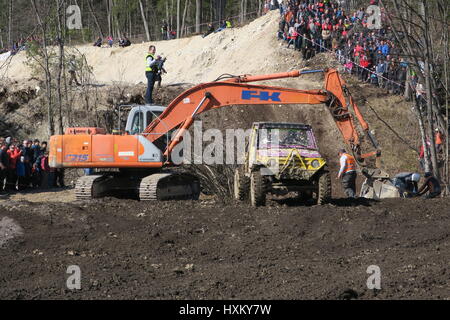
(128, 249)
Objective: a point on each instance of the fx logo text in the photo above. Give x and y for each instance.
(261, 95)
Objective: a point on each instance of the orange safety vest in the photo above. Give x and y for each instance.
(350, 163)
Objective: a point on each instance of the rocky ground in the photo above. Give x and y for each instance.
(206, 249)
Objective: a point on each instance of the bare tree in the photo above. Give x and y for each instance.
(144, 20)
(183, 21)
(108, 5)
(60, 39)
(198, 15)
(99, 28)
(178, 18)
(412, 31)
(46, 68)
(10, 23)
(243, 11)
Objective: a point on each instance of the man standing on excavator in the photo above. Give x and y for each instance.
(347, 173)
(150, 73)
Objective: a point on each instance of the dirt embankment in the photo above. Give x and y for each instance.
(207, 250)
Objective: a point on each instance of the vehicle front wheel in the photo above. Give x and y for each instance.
(324, 188)
(258, 189)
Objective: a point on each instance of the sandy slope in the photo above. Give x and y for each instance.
(249, 49)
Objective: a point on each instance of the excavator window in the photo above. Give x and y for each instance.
(137, 125)
(152, 116)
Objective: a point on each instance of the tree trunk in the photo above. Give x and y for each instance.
(100, 30)
(183, 21)
(167, 17)
(198, 15)
(82, 32)
(48, 79)
(10, 41)
(446, 78)
(171, 14)
(430, 120)
(108, 16)
(178, 18)
(423, 138)
(407, 94)
(144, 19)
(61, 6)
(245, 9)
(130, 29)
(428, 84)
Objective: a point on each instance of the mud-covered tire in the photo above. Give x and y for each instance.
(323, 188)
(258, 189)
(241, 185)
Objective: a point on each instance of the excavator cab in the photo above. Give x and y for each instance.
(282, 158)
(139, 117)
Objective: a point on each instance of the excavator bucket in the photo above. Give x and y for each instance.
(378, 185)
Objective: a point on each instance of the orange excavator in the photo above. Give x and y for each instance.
(141, 159)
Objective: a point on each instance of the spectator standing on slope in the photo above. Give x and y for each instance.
(72, 69)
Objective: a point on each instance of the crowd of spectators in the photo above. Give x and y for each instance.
(313, 27)
(20, 45)
(223, 24)
(122, 42)
(166, 32)
(24, 166)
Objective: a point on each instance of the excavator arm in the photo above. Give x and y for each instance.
(181, 112)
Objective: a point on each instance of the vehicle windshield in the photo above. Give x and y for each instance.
(286, 138)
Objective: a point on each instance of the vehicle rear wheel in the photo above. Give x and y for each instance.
(241, 185)
(257, 189)
(324, 188)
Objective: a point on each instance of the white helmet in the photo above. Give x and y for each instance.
(415, 177)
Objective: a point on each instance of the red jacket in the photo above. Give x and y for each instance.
(364, 62)
(326, 26)
(13, 156)
(358, 50)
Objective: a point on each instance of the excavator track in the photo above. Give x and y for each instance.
(169, 186)
(85, 187)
